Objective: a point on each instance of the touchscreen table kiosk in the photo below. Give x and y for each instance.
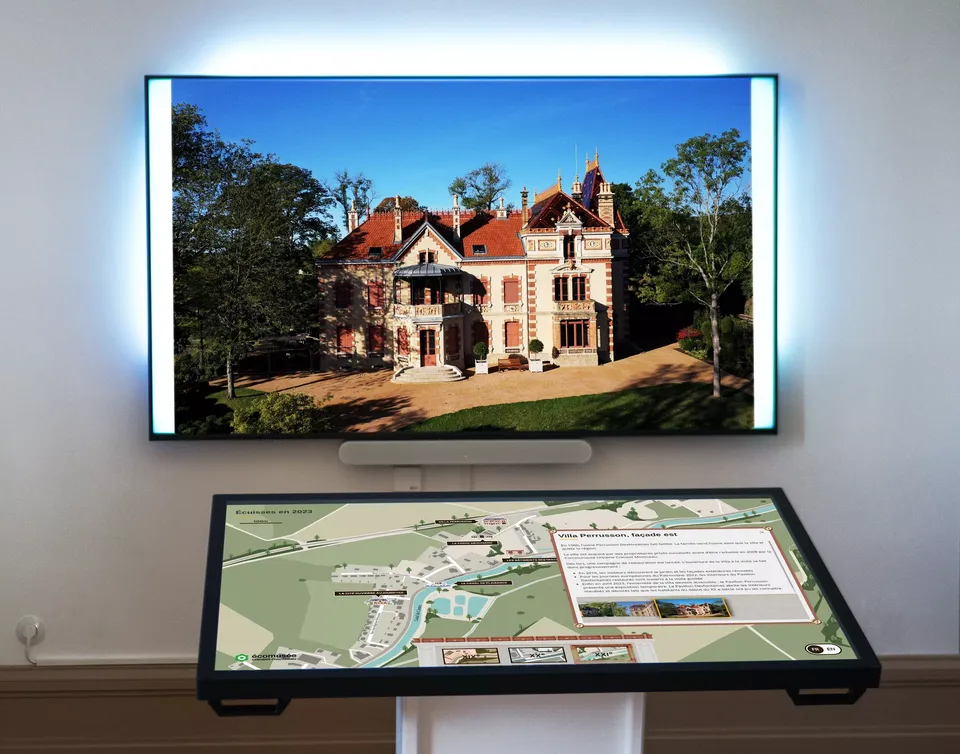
(463, 604)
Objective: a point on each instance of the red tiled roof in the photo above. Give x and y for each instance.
(499, 236)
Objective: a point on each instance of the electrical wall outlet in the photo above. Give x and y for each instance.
(30, 625)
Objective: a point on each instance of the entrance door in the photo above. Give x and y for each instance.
(428, 348)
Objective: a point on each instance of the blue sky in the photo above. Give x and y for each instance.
(413, 137)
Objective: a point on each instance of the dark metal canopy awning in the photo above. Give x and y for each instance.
(427, 270)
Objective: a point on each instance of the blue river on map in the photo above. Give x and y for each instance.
(417, 605)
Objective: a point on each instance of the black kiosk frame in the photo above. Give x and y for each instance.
(837, 681)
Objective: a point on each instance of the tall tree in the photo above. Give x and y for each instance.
(244, 229)
(347, 189)
(481, 187)
(407, 204)
(203, 166)
(262, 276)
(699, 242)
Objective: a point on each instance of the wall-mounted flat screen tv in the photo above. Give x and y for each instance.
(438, 257)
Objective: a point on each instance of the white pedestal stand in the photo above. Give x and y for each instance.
(529, 723)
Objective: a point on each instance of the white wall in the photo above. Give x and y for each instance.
(102, 533)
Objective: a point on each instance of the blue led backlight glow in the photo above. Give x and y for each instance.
(160, 151)
(763, 119)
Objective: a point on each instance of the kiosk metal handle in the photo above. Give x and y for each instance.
(847, 696)
(248, 709)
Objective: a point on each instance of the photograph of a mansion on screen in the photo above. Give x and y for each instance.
(419, 290)
(335, 276)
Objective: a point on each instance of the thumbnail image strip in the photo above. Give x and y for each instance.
(618, 609)
(471, 656)
(536, 655)
(693, 607)
(593, 654)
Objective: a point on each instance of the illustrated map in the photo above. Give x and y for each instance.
(437, 584)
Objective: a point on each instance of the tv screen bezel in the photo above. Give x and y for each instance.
(860, 672)
(380, 436)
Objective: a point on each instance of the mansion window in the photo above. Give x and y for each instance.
(375, 295)
(480, 333)
(479, 248)
(481, 296)
(570, 288)
(511, 291)
(579, 288)
(427, 257)
(344, 339)
(560, 292)
(568, 253)
(403, 342)
(574, 333)
(511, 334)
(375, 338)
(342, 295)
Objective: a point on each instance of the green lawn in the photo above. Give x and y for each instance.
(684, 406)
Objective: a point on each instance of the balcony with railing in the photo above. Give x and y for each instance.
(573, 307)
(429, 311)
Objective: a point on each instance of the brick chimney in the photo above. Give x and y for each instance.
(397, 220)
(605, 203)
(501, 211)
(524, 209)
(353, 219)
(456, 215)
(576, 191)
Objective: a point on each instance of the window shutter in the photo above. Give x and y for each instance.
(511, 291)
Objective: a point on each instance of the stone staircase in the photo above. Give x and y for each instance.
(424, 375)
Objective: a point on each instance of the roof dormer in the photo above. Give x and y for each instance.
(568, 220)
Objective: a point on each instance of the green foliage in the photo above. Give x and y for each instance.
(282, 413)
(695, 225)
(208, 425)
(244, 229)
(536, 347)
(480, 350)
(347, 189)
(480, 188)
(736, 343)
(407, 204)
(322, 247)
(633, 515)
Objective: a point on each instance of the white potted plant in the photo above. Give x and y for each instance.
(480, 357)
(535, 348)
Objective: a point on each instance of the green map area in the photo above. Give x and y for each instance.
(391, 584)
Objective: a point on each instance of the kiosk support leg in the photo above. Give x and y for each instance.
(555, 723)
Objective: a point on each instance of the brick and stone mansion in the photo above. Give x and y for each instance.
(419, 289)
